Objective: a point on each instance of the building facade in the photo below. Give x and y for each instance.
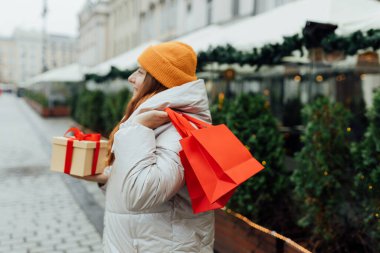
(123, 26)
(93, 33)
(167, 19)
(29, 54)
(8, 60)
(21, 55)
(110, 28)
(61, 51)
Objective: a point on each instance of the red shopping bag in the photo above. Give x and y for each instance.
(214, 159)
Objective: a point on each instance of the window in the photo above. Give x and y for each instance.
(235, 8)
(189, 7)
(209, 11)
(255, 6)
(279, 2)
(152, 7)
(260, 6)
(172, 14)
(164, 18)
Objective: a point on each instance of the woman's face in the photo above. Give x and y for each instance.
(136, 79)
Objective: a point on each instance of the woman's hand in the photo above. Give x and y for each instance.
(99, 178)
(152, 119)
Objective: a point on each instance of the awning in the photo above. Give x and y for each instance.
(127, 60)
(203, 38)
(69, 73)
(268, 27)
(289, 19)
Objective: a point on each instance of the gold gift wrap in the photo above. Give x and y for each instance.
(83, 153)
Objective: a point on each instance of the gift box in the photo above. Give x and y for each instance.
(80, 155)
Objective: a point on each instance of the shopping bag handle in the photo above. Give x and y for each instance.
(182, 122)
(197, 122)
(182, 125)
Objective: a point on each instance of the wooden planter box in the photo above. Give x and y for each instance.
(334, 56)
(235, 233)
(58, 111)
(368, 59)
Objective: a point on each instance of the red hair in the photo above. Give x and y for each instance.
(149, 88)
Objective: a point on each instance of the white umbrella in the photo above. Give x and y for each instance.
(289, 19)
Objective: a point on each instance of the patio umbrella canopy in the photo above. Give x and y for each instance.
(70, 73)
(289, 19)
(127, 60)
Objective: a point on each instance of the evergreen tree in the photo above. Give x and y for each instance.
(114, 108)
(324, 178)
(265, 198)
(367, 178)
(88, 110)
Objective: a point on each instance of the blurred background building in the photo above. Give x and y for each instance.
(282, 55)
(21, 55)
(123, 26)
(93, 33)
(113, 33)
(110, 28)
(7, 60)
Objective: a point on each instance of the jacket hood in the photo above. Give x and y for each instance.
(189, 98)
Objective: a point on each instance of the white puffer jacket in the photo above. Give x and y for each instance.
(148, 208)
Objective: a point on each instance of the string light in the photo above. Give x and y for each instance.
(348, 129)
(264, 163)
(266, 231)
(370, 187)
(325, 173)
(297, 78)
(220, 100)
(340, 78)
(319, 78)
(221, 96)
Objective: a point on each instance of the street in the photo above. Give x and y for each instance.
(42, 211)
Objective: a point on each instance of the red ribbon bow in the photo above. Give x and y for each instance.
(80, 136)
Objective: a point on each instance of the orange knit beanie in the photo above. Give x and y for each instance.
(171, 63)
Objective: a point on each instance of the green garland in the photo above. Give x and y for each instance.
(270, 54)
(112, 74)
(352, 43)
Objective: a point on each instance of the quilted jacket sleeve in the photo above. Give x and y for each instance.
(151, 169)
(107, 171)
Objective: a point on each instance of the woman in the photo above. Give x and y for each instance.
(148, 208)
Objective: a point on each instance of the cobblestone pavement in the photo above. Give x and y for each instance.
(41, 211)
